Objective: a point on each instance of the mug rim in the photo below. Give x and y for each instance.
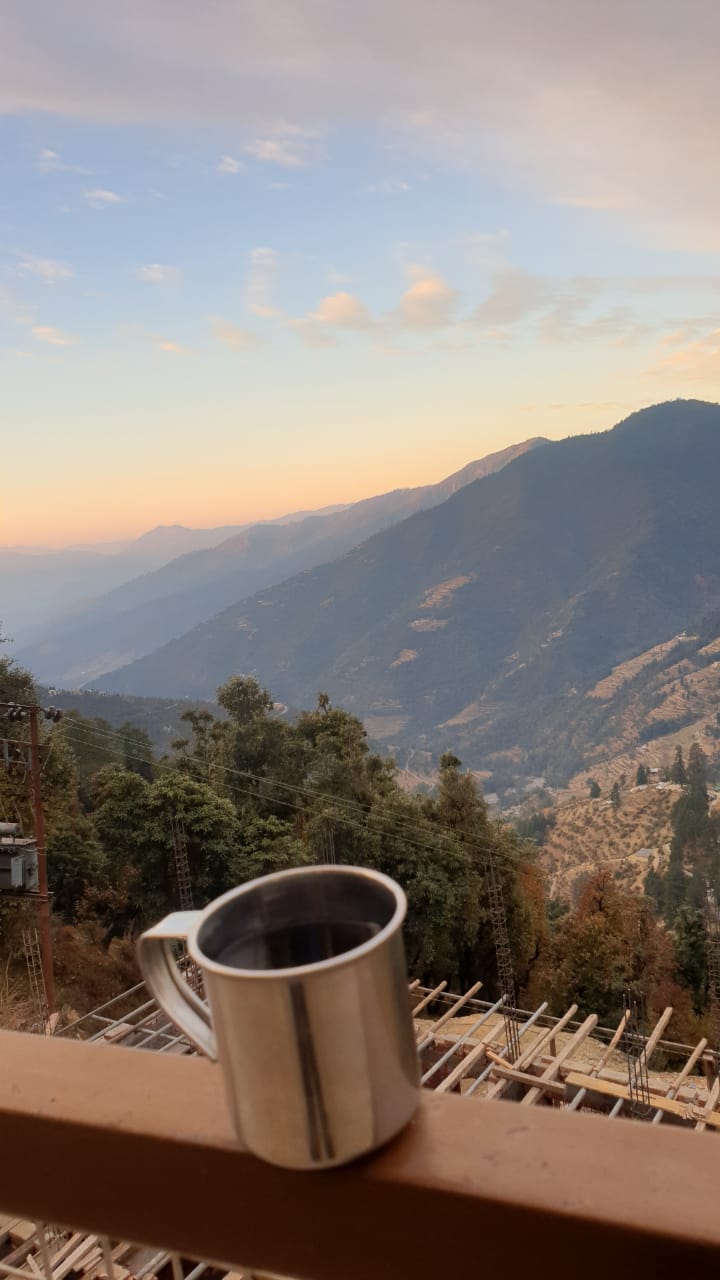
(207, 964)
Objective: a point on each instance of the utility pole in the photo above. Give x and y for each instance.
(15, 711)
(44, 902)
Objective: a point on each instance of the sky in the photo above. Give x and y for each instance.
(267, 255)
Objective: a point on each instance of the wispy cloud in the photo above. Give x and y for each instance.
(429, 303)
(697, 361)
(389, 186)
(482, 85)
(49, 161)
(488, 248)
(18, 311)
(261, 278)
(171, 348)
(311, 333)
(513, 296)
(228, 165)
(56, 338)
(337, 311)
(99, 197)
(342, 311)
(48, 269)
(292, 146)
(232, 335)
(156, 273)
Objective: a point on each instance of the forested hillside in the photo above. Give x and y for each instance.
(256, 792)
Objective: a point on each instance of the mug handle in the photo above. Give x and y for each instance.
(161, 975)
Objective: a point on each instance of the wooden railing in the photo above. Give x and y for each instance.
(139, 1147)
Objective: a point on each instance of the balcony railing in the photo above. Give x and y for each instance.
(136, 1146)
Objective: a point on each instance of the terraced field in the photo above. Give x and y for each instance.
(590, 834)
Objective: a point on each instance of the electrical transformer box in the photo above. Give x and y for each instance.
(18, 866)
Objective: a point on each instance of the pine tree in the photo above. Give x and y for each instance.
(691, 954)
(678, 773)
(641, 777)
(696, 776)
(654, 889)
(594, 788)
(675, 884)
(615, 795)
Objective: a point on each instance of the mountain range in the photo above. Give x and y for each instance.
(141, 613)
(483, 624)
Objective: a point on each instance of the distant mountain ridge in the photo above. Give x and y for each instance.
(141, 614)
(482, 624)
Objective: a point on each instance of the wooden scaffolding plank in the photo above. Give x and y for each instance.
(450, 1013)
(461, 1070)
(551, 1072)
(502, 1071)
(617, 1036)
(652, 1041)
(651, 1044)
(676, 1086)
(709, 1112)
(683, 1110)
(70, 1263)
(534, 1050)
(432, 995)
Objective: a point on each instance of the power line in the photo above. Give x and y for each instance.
(370, 823)
(336, 801)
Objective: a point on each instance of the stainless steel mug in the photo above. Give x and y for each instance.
(308, 1015)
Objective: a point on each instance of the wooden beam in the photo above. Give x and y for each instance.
(463, 1067)
(450, 1013)
(709, 1112)
(124, 1137)
(551, 1072)
(653, 1040)
(683, 1110)
(504, 1072)
(534, 1050)
(428, 998)
(676, 1086)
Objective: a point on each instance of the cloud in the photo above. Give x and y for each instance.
(49, 161)
(228, 164)
(311, 333)
(487, 248)
(292, 146)
(514, 295)
(611, 106)
(156, 273)
(261, 278)
(18, 311)
(389, 186)
(342, 311)
(231, 335)
(278, 151)
(698, 361)
(337, 311)
(48, 269)
(171, 348)
(99, 197)
(429, 303)
(56, 338)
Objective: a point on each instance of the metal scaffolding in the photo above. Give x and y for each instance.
(182, 866)
(36, 978)
(501, 938)
(712, 926)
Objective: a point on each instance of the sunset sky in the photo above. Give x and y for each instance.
(273, 254)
